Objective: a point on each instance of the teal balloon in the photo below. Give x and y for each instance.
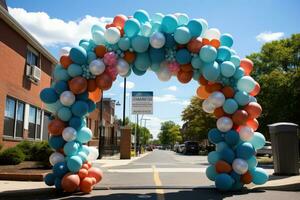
(157, 17)
(71, 148)
(57, 184)
(142, 61)
(60, 169)
(259, 176)
(91, 56)
(215, 136)
(80, 108)
(61, 86)
(195, 27)
(124, 43)
(82, 96)
(213, 157)
(236, 60)
(169, 24)
(64, 113)
(182, 35)
(224, 54)
(196, 62)
(242, 98)
(132, 27)
(156, 27)
(140, 43)
(61, 74)
(245, 151)
(230, 106)
(223, 182)
(211, 172)
(183, 56)
(226, 40)
(146, 29)
(227, 69)
(74, 163)
(84, 44)
(92, 45)
(91, 105)
(221, 146)
(208, 54)
(237, 186)
(246, 83)
(98, 37)
(211, 71)
(78, 55)
(258, 140)
(137, 71)
(239, 73)
(84, 135)
(170, 41)
(231, 137)
(252, 163)
(83, 156)
(98, 28)
(157, 55)
(155, 67)
(49, 179)
(227, 155)
(54, 107)
(76, 122)
(85, 149)
(142, 16)
(75, 70)
(204, 25)
(196, 74)
(56, 142)
(236, 177)
(48, 95)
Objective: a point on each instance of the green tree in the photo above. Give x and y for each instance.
(169, 133)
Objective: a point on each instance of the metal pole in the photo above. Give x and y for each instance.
(100, 144)
(135, 135)
(124, 101)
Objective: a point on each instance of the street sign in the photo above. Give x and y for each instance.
(142, 102)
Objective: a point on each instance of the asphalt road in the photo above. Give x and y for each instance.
(160, 175)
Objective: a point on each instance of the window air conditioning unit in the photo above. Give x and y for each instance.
(33, 73)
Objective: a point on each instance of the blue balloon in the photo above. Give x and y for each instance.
(71, 148)
(211, 71)
(49, 179)
(48, 95)
(227, 155)
(170, 41)
(64, 113)
(230, 106)
(56, 142)
(57, 184)
(259, 176)
(140, 43)
(183, 56)
(195, 27)
(124, 43)
(157, 55)
(245, 150)
(258, 140)
(235, 176)
(138, 72)
(237, 186)
(236, 60)
(224, 54)
(231, 137)
(252, 162)
(83, 96)
(60, 169)
(196, 62)
(142, 61)
(215, 136)
(74, 163)
(239, 73)
(182, 35)
(76, 122)
(91, 56)
(211, 172)
(61, 74)
(227, 69)
(223, 182)
(208, 54)
(132, 27)
(221, 146)
(84, 135)
(78, 55)
(61, 86)
(80, 108)
(246, 83)
(242, 98)
(91, 105)
(226, 40)
(213, 157)
(142, 16)
(169, 23)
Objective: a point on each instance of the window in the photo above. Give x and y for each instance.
(14, 117)
(34, 127)
(32, 57)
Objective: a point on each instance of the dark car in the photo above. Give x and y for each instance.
(191, 147)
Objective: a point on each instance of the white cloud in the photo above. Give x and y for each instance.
(153, 125)
(53, 31)
(129, 85)
(182, 102)
(109, 94)
(268, 36)
(164, 98)
(172, 88)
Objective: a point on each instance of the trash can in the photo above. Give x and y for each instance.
(285, 148)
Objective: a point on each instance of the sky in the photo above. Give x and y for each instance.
(56, 24)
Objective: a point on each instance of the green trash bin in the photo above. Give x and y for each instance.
(285, 148)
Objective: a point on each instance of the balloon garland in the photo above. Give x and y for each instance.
(170, 45)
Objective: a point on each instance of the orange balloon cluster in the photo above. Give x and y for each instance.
(214, 42)
(247, 65)
(56, 127)
(78, 85)
(104, 81)
(223, 167)
(65, 61)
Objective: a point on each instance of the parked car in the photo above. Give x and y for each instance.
(149, 148)
(176, 147)
(191, 147)
(266, 150)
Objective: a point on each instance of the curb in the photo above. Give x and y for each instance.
(22, 177)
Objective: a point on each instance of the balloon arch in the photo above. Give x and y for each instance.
(170, 45)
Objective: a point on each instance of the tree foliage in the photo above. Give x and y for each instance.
(169, 133)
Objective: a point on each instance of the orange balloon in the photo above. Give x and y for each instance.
(96, 95)
(93, 180)
(65, 61)
(104, 81)
(202, 80)
(246, 178)
(89, 164)
(86, 185)
(219, 112)
(92, 86)
(205, 41)
(256, 90)
(56, 127)
(186, 68)
(70, 182)
(85, 166)
(253, 109)
(129, 56)
(247, 65)
(100, 50)
(212, 87)
(120, 20)
(223, 167)
(78, 85)
(228, 92)
(82, 173)
(240, 117)
(96, 173)
(195, 45)
(215, 43)
(202, 92)
(184, 77)
(252, 123)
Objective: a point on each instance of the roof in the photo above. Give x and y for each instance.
(25, 34)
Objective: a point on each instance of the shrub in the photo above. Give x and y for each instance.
(1, 146)
(12, 156)
(26, 147)
(41, 151)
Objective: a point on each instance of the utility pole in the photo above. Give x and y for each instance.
(124, 101)
(101, 142)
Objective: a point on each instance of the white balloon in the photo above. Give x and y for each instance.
(246, 133)
(98, 37)
(208, 107)
(97, 67)
(164, 74)
(64, 51)
(69, 134)
(240, 166)
(122, 67)
(56, 157)
(212, 33)
(93, 155)
(217, 99)
(67, 98)
(224, 124)
(112, 35)
(157, 40)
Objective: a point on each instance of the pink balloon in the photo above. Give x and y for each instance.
(174, 67)
(110, 58)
